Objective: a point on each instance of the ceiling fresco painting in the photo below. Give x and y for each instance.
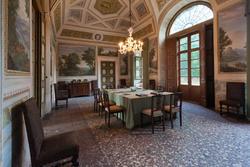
(111, 16)
(108, 16)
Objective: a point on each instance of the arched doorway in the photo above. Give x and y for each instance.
(189, 53)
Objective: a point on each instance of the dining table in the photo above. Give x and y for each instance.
(134, 101)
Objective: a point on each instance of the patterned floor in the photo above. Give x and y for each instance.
(205, 140)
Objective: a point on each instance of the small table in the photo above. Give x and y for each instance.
(134, 102)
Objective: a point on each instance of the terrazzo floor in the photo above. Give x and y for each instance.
(205, 140)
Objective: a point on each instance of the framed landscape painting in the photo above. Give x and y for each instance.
(18, 37)
(232, 39)
(76, 60)
(108, 51)
(153, 56)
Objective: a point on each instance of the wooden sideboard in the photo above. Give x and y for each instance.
(80, 89)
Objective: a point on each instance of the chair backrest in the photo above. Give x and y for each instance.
(156, 103)
(236, 91)
(123, 83)
(73, 81)
(105, 99)
(176, 99)
(94, 84)
(160, 88)
(96, 94)
(79, 81)
(152, 84)
(62, 85)
(34, 127)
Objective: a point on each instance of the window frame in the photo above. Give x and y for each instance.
(183, 9)
(188, 51)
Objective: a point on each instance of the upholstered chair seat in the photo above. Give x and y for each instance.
(156, 113)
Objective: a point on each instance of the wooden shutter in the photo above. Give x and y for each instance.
(171, 65)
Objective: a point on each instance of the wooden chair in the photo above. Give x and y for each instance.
(235, 98)
(160, 88)
(152, 84)
(155, 111)
(47, 150)
(94, 85)
(61, 93)
(175, 106)
(101, 107)
(97, 101)
(123, 83)
(111, 109)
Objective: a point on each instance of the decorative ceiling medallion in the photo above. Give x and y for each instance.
(90, 18)
(97, 37)
(142, 10)
(107, 6)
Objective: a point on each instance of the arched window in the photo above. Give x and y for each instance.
(190, 17)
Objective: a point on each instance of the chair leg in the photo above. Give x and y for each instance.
(141, 120)
(180, 118)
(244, 112)
(56, 103)
(105, 117)
(109, 119)
(221, 109)
(74, 161)
(238, 111)
(123, 119)
(163, 122)
(152, 121)
(171, 120)
(94, 106)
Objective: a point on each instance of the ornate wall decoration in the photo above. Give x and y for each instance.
(76, 34)
(75, 14)
(161, 3)
(18, 37)
(98, 37)
(107, 51)
(57, 17)
(115, 39)
(142, 10)
(153, 56)
(232, 39)
(144, 31)
(108, 74)
(123, 64)
(112, 23)
(90, 18)
(108, 6)
(76, 60)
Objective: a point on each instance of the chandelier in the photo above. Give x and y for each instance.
(130, 45)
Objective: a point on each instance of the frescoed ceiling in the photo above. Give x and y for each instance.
(111, 16)
(108, 17)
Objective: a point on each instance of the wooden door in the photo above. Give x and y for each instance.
(189, 66)
(171, 68)
(107, 74)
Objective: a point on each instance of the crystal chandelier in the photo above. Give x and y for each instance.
(130, 45)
